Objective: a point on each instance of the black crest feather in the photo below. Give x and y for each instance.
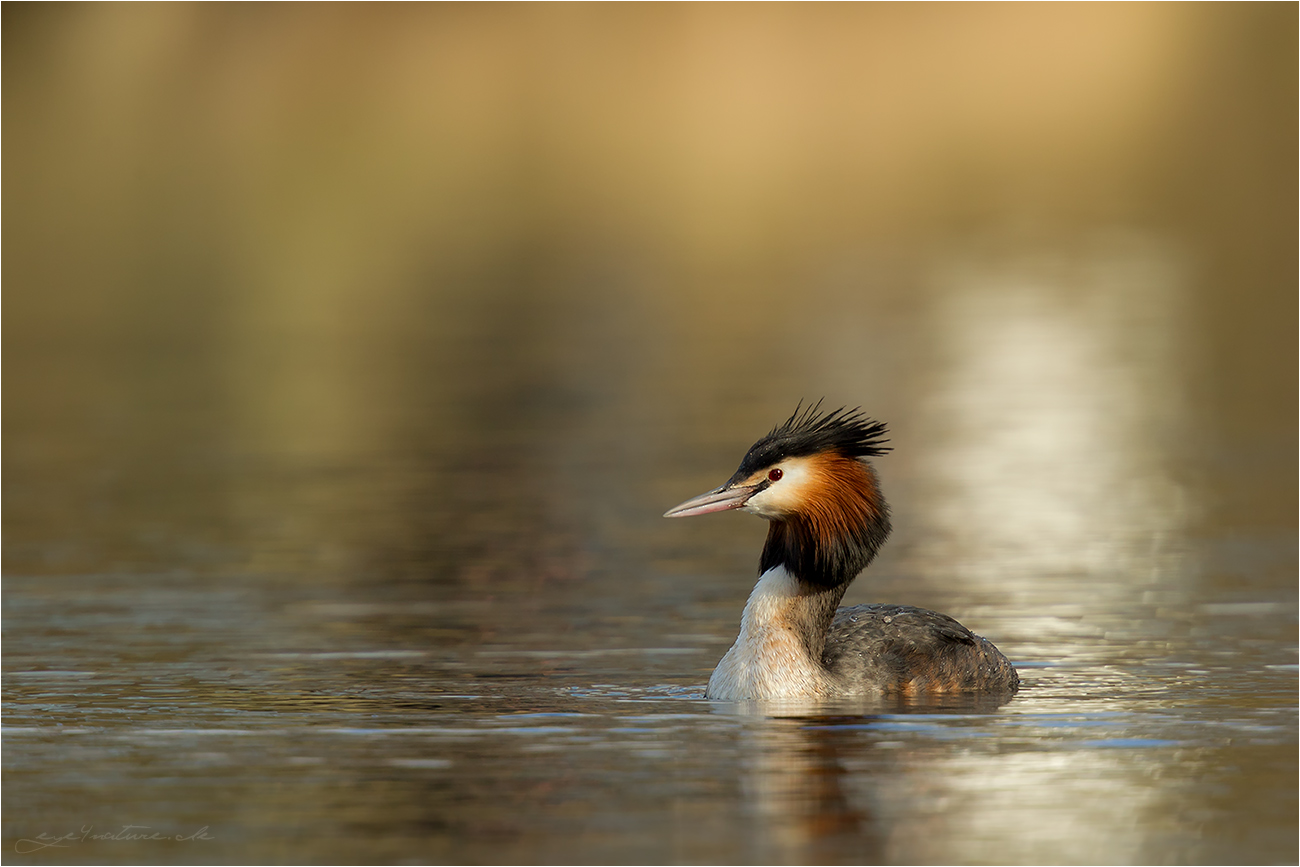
(810, 432)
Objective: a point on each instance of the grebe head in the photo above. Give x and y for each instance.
(811, 479)
(803, 467)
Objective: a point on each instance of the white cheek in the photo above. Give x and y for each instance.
(787, 494)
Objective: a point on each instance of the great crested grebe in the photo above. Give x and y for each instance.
(810, 478)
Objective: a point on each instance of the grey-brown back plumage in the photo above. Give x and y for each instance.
(912, 651)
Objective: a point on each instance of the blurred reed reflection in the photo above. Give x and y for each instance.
(1060, 414)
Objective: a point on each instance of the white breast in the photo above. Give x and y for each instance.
(768, 659)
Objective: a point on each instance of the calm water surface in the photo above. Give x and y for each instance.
(351, 357)
(509, 685)
(297, 725)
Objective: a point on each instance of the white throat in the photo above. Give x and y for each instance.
(768, 660)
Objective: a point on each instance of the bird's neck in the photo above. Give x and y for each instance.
(824, 547)
(810, 613)
(824, 554)
(782, 637)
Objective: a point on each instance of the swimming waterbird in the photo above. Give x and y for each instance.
(810, 478)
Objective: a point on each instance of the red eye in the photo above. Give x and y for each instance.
(775, 475)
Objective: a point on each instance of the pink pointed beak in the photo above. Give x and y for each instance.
(718, 500)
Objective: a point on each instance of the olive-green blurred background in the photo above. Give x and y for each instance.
(335, 232)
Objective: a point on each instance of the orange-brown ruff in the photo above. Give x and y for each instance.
(811, 479)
